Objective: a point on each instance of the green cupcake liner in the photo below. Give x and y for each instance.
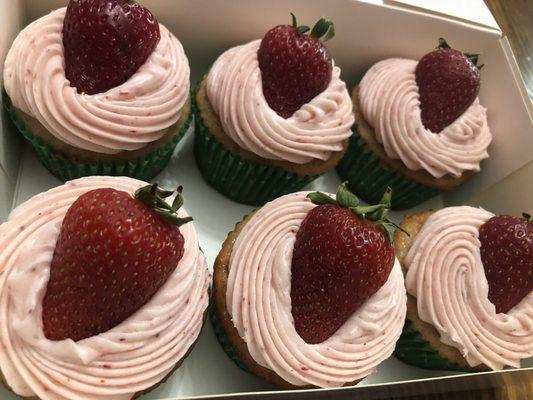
(143, 168)
(368, 179)
(412, 349)
(235, 177)
(222, 337)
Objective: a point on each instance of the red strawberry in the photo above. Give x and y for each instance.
(342, 256)
(295, 67)
(507, 257)
(448, 83)
(105, 42)
(113, 253)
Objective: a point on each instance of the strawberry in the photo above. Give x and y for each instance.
(295, 67)
(113, 253)
(448, 83)
(507, 257)
(105, 42)
(342, 255)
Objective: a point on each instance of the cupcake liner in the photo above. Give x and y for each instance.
(222, 337)
(237, 178)
(411, 348)
(143, 168)
(368, 179)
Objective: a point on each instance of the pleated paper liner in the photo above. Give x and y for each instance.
(143, 168)
(236, 178)
(412, 349)
(218, 327)
(369, 180)
(222, 337)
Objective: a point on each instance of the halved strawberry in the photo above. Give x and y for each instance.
(342, 255)
(113, 253)
(448, 83)
(295, 67)
(507, 257)
(105, 42)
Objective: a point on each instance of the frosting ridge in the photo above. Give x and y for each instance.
(389, 101)
(258, 299)
(315, 131)
(125, 118)
(447, 278)
(131, 357)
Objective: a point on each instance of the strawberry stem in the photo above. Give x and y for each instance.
(178, 200)
(376, 213)
(154, 198)
(527, 217)
(321, 198)
(301, 29)
(323, 30)
(473, 57)
(443, 44)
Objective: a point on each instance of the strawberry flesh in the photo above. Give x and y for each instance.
(448, 83)
(507, 257)
(295, 68)
(105, 42)
(338, 262)
(112, 255)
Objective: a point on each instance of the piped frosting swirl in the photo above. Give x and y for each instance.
(315, 131)
(133, 356)
(446, 275)
(258, 299)
(125, 118)
(389, 101)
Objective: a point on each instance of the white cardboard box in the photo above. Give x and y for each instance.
(366, 33)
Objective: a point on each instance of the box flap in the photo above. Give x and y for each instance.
(472, 11)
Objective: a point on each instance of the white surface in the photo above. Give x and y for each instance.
(361, 40)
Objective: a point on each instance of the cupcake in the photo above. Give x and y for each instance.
(420, 128)
(99, 88)
(102, 294)
(308, 293)
(272, 115)
(470, 289)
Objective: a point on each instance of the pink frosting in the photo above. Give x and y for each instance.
(315, 131)
(258, 299)
(390, 103)
(126, 117)
(448, 280)
(133, 356)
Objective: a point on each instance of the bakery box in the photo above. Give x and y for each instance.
(365, 34)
